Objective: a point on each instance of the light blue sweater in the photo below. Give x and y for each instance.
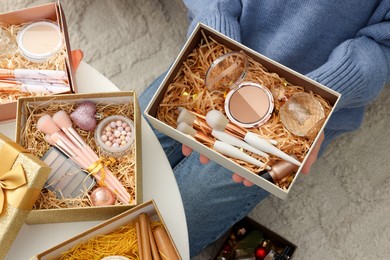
(343, 44)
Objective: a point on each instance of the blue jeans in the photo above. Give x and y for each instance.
(212, 201)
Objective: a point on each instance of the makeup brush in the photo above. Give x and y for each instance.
(37, 81)
(215, 119)
(219, 146)
(63, 148)
(62, 120)
(232, 140)
(48, 126)
(32, 74)
(218, 122)
(279, 171)
(44, 88)
(189, 118)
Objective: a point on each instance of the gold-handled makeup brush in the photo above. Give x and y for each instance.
(32, 87)
(32, 74)
(224, 136)
(216, 120)
(219, 146)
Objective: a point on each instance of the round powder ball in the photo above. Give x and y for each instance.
(102, 196)
(119, 131)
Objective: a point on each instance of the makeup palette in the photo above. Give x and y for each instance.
(249, 105)
(66, 179)
(39, 40)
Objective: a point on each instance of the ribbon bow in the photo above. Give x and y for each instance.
(10, 178)
(94, 168)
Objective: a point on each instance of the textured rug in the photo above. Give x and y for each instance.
(339, 211)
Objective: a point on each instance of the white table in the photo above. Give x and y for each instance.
(158, 184)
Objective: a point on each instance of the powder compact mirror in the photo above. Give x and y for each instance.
(39, 40)
(247, 104)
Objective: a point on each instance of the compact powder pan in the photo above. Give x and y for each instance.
(40, 40)
(249, 105)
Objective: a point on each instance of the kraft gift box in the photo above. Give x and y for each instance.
(200, 33)
(22, 176)
(26, 109)
(51, 12)
(150, 208)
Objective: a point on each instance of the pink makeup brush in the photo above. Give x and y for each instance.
(56, 142)
(49, 127)
(62, 120)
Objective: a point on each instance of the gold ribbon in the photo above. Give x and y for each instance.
(11, 179)
(99, 166)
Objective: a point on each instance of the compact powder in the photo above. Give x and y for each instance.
(249, 105)
(40, 40)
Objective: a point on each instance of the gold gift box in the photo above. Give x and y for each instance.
(295, 78)
(53, 12)
(19, 193)
(108, 226)
(38, 216)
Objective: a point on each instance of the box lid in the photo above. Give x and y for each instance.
(22, 176)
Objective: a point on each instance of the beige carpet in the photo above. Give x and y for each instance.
(340, 211)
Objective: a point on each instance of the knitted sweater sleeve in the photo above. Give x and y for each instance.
(360, 67)
(222, 15)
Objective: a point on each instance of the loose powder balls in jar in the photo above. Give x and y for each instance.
(40, 40)
(115, 135)
(249, 105)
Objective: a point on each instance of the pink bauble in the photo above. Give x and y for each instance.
(102, 196)
(84, 116)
